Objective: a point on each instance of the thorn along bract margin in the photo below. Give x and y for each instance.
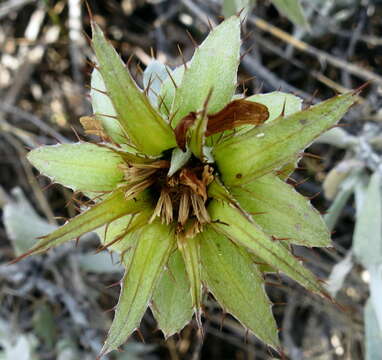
(188, 184)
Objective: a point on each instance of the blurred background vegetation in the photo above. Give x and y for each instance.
(55, 306)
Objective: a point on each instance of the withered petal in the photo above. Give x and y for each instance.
(182, 128)
(237, 113)
(93, 126)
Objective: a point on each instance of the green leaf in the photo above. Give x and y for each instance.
(232, 7)
(367, 241)
(190, 250)
(263, 267)
(282, 212)
(239, 228)
(106, 211)
(117, 228)
(292, 10)
(288, 168)
(237, 285)
(141, 277)
(119, 236)
(172, 303)
(265, 148)
(278, 103)
(212, 68)
(218, 191)
(144, 126)
(104, 109)
(81, 166)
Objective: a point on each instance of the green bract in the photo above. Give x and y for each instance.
(191, 205)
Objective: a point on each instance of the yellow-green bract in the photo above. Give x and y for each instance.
(200, 220)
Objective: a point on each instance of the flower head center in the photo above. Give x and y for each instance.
(180, 199)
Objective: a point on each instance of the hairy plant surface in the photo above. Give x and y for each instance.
(188, 185)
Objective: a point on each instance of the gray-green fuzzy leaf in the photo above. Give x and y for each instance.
(373, 333)
(375, 271)
(367, 241)
(22, 223)
(99, 263)
(346, 189)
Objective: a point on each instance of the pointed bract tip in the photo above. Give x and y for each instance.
(17, 259)
(21, 257)
(198, 318)
(87, 37)
(152, 53)
(358, 90)
(209, 24)
(238, 14)
(194, 43)
(94, 26)
(90, 13)
(281, 352)
(113, 284)
(242, 19)
(104, 351)
(139, 332)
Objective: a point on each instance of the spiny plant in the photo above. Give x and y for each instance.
(188, 184)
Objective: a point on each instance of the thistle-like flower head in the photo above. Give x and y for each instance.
(188, 185)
